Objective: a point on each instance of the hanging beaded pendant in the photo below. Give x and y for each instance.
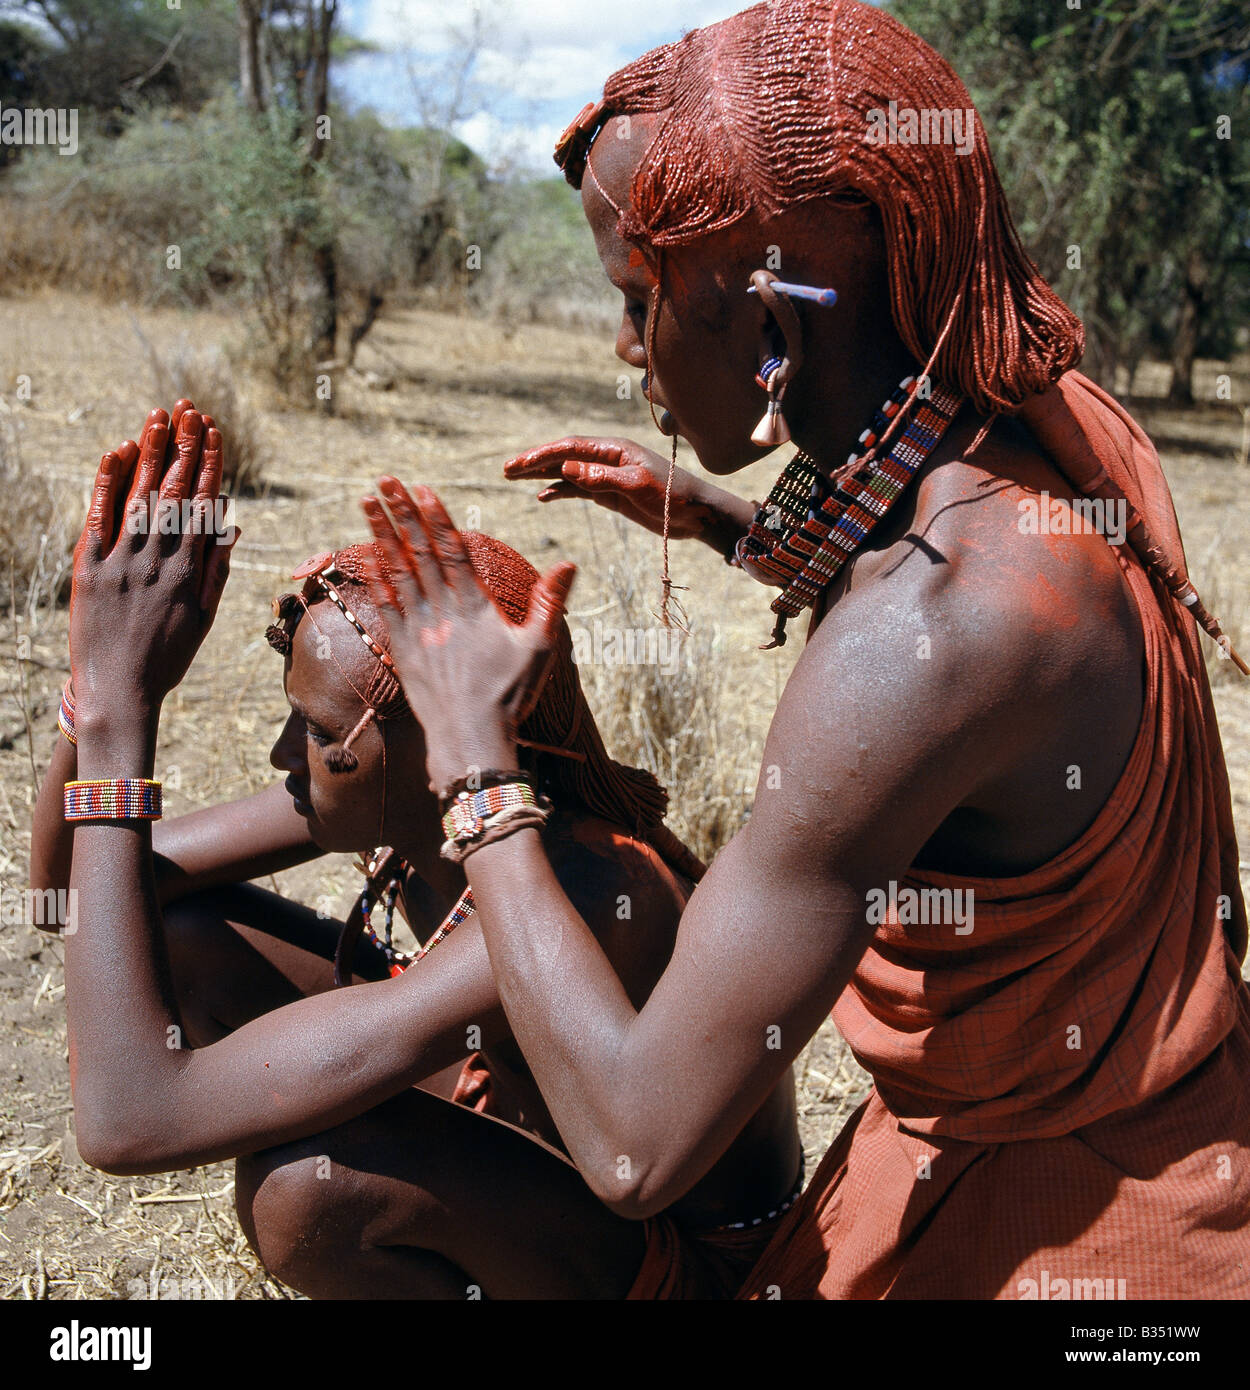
(398, 961)
(801, 540)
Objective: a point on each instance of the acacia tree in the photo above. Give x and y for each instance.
(1120, 132)
(111, 57)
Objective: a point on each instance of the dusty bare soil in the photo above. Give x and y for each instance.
(448, 401)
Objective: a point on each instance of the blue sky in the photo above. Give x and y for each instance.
(540, 62)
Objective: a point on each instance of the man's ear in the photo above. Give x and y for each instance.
(785, 318)
(772, 428)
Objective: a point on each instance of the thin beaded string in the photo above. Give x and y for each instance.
(398, 961)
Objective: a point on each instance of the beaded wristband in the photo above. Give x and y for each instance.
(479, 780)
(65, 714)
(497, 828)
(468, 814)
(118, 798)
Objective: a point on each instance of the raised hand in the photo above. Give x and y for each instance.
(148, 578)
(127, 454)
(470, 674)
(623, 477)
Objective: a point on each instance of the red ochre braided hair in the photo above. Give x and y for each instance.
(774, 107)
(771, 108)
(559, 736)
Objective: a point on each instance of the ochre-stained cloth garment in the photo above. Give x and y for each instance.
(683, 1264)
(1062, 1099)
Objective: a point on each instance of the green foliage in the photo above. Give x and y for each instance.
(183, 195)
(111, 56)
(1105, 125)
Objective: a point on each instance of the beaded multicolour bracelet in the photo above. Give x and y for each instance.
(65, 715)
(116, 798)
(469, 811)
(480, 779)
(479, 818)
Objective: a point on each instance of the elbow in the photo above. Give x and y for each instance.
(102, 1148)
(634, 1206)
(108, 1140)
(635, 1191)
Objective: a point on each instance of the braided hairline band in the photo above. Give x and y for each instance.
(320, 577)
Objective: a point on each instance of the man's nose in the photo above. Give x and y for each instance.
(629, 348)
(286, 754)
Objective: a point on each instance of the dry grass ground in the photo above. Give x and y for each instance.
(446, 401)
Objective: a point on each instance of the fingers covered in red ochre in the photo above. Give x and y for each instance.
(414, 539)
(449, 547)
(208, 479)
(102, 513)
(547, 460)
(180, 477)
(152, 444)
(547, 600)
(401, 590)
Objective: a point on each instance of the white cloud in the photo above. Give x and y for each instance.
(626, 27)
(540, 60)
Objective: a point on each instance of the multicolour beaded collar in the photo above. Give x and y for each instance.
(801, 541)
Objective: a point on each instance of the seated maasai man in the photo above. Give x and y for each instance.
(993, 832)
(163, 953)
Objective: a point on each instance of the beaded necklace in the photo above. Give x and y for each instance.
(801, 540)
(398, 961)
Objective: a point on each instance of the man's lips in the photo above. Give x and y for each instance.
(653, 396)
(299, 797)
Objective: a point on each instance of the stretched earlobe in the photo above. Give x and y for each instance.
(772, 429)
(777, 373)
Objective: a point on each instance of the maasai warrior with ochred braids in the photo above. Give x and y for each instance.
(979, 709)
(203, 1021)
(1061, 1103)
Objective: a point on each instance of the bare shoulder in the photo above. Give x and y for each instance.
(1002, 564)
(996, 604)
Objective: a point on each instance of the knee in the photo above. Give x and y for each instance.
(298, 1212)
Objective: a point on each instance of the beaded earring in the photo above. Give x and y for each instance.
(772, 429)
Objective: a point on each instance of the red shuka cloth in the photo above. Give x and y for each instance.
(994, 1158)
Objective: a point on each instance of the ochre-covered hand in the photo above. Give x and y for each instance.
(470, 674)
(622, 476)
(148, 578)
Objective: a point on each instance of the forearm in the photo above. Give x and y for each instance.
(145, 1103)
(124, 1028)
(51, 835)
(571, 1016)
(232, 843)
(297, 1071)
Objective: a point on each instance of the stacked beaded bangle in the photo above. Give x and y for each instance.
(475, 818)
(118, 798)
(65, 715)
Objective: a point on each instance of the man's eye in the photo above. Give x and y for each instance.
(318, 736)
(636, 310)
